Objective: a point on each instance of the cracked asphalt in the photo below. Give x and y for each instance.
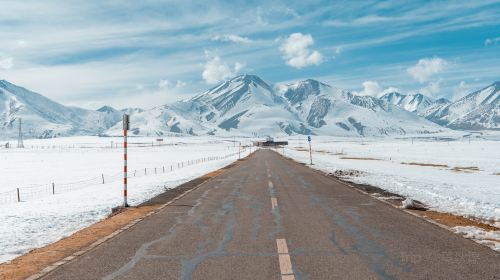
(271, 218)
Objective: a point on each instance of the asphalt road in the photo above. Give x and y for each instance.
(270, 218)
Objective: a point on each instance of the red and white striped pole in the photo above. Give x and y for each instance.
(126, 124)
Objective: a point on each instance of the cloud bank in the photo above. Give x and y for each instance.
(297, 53)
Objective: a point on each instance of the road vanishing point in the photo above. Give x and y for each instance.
(271, 218)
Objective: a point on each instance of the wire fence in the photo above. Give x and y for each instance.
(33, 192)
(111, 145)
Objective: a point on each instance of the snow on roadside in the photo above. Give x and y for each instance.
(488, 238)
(38, 222)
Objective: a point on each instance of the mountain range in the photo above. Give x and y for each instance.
(247, 105)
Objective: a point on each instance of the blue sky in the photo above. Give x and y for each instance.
(146, 53)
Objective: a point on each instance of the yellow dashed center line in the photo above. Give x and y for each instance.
(284, 260)
(283, 256)
(274, 202)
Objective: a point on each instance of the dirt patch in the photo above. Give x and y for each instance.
(466, 169)
(371, 190)
(302, 149)
(497, 173)
(426, 164)
(451, 220)
(37, 259)
(360, 158)
(347, 173)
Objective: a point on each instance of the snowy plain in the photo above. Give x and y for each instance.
(452, 185)
(75, 165)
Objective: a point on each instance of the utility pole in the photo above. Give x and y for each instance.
(310, 149)
(239, 151)
(20, 143)
(126, 127)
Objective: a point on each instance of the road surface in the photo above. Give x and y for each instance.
(271, 218)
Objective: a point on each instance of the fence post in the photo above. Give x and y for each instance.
(155, 170)
(171, 167)
(53, 188)
(102, 178)
(145, 171)
(163, 169)
(18, 196)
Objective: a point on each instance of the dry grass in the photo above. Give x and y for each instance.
(467, 169)
(347, 173)
(451, 220)
(426, 164)
(360, 158)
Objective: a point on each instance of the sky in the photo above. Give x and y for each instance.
(148, 53)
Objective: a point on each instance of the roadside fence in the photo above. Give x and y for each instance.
(33, 192)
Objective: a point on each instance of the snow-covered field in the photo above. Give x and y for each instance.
(75, 165)
(453, 185)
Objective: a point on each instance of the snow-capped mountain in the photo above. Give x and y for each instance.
(43, 117)
(247, 105)
(413, 102)
(478, 110)
(332, 111)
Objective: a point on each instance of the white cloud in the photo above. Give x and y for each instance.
(232, 38)
(296, 51)
(427, 67)
(338, 49)
(491, 41)
(461, 90)
(432, 88)
(6, 62)
(369, 19)
(373, 88)
(21, 43)
(215, 70)
(166, 84)
(180, 84)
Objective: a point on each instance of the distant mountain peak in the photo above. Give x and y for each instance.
(442, 101)
(5, 83)
(248, 79)
(106, 109)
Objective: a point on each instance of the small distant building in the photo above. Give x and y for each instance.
(270, 143)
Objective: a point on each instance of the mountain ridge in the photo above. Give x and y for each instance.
(248, 105)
